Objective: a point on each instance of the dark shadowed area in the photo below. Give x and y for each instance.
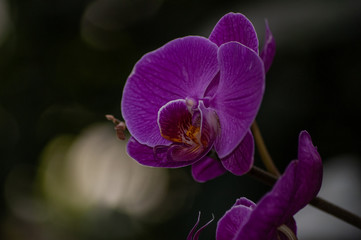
(63, 65)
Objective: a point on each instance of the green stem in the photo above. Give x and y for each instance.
(263, 152)
(330, 208)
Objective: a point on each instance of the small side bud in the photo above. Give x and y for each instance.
(119, 126)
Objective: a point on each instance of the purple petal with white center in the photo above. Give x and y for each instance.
(295, 189)
(241, 159)
(206, 169)
(269, 48)
(181, 68)
(234, 219)
(153, 157)
(238, 96)
(235, 27)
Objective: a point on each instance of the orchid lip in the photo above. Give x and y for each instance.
(180, 123)
(190, 126)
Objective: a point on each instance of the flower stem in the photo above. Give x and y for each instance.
(330, 208)
(263, 176)
(262, 149)
(336, 211)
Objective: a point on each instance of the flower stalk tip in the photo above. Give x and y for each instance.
(195, 236)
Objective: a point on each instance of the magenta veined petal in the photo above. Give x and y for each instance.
(181, 68)
(239, 94)
(269, 48)
(240, 161)
(235, 27)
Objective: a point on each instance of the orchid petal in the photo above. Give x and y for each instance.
(241, 159)
(239, 94)
(309, 172)
(153, 157)
(206, 169)
(269, 49)
(212, 87)
(235, 27)
(294, 190)
(234, 219)
(181, 68)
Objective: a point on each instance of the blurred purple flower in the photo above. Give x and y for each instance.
(196, 94)
(272, 218)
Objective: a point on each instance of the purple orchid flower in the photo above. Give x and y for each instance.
(196, 96)
(272, 218)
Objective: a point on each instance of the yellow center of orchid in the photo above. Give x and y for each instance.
(191, 135)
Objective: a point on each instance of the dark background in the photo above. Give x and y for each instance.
(63, 64)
